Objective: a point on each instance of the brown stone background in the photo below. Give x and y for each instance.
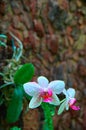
(53, 33)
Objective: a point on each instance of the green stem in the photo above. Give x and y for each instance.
(7, 84)
(48, 118)
(62, 100)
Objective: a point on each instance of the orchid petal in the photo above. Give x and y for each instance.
(31, 88)
(76, 108)
(71, 92)
(43, 81)
(62, 107)
(55, 100)
(67, 102)
(65, 92)
(35, 101)
(57, 86)
(67, 106)
(72, 101)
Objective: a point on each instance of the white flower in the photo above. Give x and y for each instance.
(69, 101)
(43, 91)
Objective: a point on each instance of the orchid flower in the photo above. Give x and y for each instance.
(69, 101)
(43, 91)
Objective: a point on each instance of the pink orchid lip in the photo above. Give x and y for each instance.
(47, 100)
(72, 104)
(76, 108)
(46, 95)
(72, 101)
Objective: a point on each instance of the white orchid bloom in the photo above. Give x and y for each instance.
(43, 91)
(69, 101)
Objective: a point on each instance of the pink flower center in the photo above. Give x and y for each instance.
(46, 95)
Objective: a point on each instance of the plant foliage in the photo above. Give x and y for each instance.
(15, 105)
(24, 74)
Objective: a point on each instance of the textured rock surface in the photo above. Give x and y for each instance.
(54, 38)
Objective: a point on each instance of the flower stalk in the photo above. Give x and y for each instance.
(48, 124)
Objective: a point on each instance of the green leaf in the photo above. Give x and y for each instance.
(24, 74)
(15, 128)
(3, 44)
(15, 105)
(3, 36)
